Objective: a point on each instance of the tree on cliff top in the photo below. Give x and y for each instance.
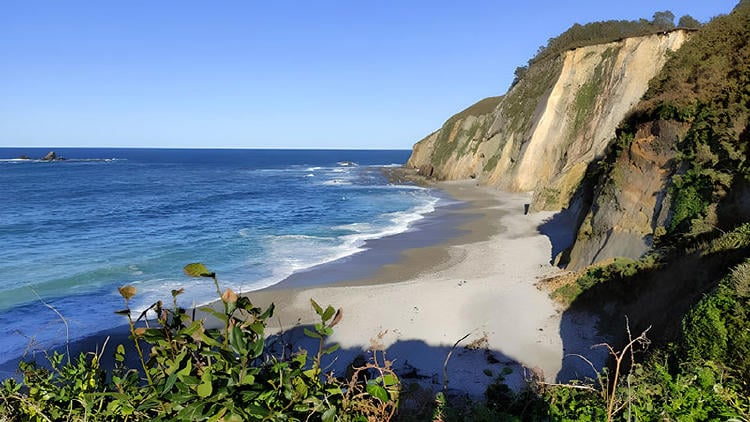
(688, 21)
(603, 32)
(664, 20)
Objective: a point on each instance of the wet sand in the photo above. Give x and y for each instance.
(480, 283)
(415, 302)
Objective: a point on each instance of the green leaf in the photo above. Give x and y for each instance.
(206, 338)
(152, 335)
(256, 410)
(312, 334)
(175, 365)
(377, 391)
(258, 328)
(329, 415)
(390, 380)
(331, 349)
(192, 412)
(205, 388)
(196, 269)
(188, 331)
(170, 382)
(268, 313)
(257, 348)
(318, 309)
(185, 372)
(237, 340)
(334, 391)
(328, 313)
(120, 354)
(220, 316)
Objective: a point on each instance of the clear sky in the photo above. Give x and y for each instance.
(271, 73)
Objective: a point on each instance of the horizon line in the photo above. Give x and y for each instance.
(215, 148)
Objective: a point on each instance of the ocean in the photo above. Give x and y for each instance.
(72, 231)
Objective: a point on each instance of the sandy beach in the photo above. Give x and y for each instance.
(480, 284)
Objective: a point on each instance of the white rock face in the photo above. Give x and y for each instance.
(571, 124)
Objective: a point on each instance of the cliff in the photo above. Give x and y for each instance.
(648, 152)
(552, 123)
(643, 140)
(677, 172)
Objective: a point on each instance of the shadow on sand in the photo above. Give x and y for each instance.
(470, 369)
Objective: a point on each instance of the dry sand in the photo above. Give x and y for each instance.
(481, 284)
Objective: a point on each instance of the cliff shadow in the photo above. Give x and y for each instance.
(562, 227)
(471, 369)
(655, 299)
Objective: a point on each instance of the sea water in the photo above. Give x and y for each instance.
(72, 231)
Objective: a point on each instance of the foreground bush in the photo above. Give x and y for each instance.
(187, 371)
(181, 369)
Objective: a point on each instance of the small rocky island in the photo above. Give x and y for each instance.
(50, 156)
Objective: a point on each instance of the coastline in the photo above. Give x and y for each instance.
(477, 278)
(481, 283)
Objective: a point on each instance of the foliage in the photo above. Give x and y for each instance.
(706, 86)
(716, 328)
(603, 32)
(687, 21)
(445, 145)
(195, 372)
(586, 97)
(617, 271)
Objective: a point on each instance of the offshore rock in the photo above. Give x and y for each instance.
(51, 156)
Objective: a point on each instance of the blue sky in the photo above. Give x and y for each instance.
(280, 74)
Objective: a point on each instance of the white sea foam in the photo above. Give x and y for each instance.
(296, 252)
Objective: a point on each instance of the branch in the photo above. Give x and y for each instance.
(576, 386)
(67, 328)
(447, 358)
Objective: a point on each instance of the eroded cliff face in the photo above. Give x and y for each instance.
(632, 203)
(556, 120)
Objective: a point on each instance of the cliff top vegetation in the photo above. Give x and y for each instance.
(606, 31)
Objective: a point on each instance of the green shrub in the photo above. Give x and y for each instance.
(188, 371)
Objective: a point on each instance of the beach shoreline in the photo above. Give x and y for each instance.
(477, 281)
(481, 284)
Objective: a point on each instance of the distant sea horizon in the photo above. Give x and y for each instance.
(72, 231)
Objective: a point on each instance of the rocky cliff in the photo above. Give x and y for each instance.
(678, 172)
(644, 140)
(552, 123)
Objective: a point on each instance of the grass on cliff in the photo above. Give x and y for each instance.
(706, 84)
(445, 145)
(705, 87)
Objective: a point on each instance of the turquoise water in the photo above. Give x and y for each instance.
(72, 231)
